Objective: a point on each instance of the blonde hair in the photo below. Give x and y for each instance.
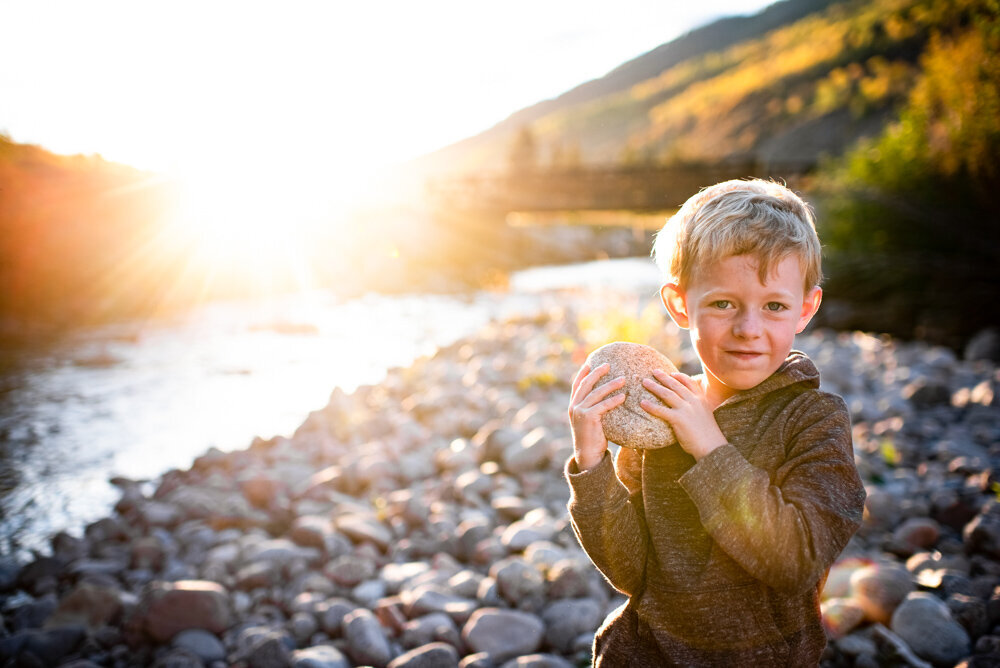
(753, 217)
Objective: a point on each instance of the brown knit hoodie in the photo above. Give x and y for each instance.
(723, 559)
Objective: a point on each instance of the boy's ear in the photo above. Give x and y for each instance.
(809, 307)
(675, 301)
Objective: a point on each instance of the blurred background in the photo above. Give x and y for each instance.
(213, 213)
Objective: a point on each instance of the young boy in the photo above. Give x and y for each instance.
(721, 543)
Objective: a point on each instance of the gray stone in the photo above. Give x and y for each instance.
(206, 646)
(879, 588)
(918, 533)
(311, 531)
(362, 528)
(970, 612)
(436, 626)
(166, 609)
(350, 570)
(320, 656)
(925, 623)
(178, 658)
(88, 604)
(366, 639)
(565, 619)
(569, 578)
(538, 661)
(522, 533)
(856, 644)
(982, 534)
(331, 615)
(528, 454)
(302, 626)
(428, 598)
(503, 634)
(433, 655)
(517, 580)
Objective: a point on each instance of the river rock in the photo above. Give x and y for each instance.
(435, 626)
(970, 612)
(366, 640)
(311, 531)
(566, 619)
(879, 588)
(89, 605)
(925, 623)
(518, 581)
(628, 424)
(982, 534)
(503, 634)
(528, 454)
(350, 570)
(206, 646)
(47, 646)
(320, 656)
(167, 608)
(569, 578)
(427, 598)
(841, 616)
(361, 528)
(917, 533)
(537, 661)
(432, 655)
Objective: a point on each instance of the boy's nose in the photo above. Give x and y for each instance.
(747, 325)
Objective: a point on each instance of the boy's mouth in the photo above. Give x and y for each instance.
(745, 354)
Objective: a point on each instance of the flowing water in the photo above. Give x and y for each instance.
(136, 400)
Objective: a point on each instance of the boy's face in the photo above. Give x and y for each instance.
(742, 329)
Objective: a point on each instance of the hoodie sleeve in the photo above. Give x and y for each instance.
(785, 530)
(606, 512)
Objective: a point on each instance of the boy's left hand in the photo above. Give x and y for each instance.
(687, 410)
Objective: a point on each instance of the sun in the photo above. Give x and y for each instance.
(251, 229)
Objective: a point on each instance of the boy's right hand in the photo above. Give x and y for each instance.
(586, 407)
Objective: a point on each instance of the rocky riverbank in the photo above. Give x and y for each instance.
(421, 522)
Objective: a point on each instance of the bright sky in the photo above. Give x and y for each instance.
(184, 87)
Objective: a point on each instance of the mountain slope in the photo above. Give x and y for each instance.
(803, 79)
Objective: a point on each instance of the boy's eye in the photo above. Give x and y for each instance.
(721, 303)
(775, 306)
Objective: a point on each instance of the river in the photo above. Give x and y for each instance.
(137, 399)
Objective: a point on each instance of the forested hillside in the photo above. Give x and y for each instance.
(787, 95)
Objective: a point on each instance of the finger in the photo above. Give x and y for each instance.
(598, 394)
(604, 406)
(580, 375)
(655, 409)
(672, 383)
(687, 381)
(590, 380)
(661, 392)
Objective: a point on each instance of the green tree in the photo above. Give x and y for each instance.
(912, 218)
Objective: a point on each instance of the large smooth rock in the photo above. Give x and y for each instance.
(88, 604)
(366, 640)
(320, 656)
(205, 645)
(841, 616)
(879, 588)
(433, 655)
(925, 623)
(518, 581)
(565, 619)
(436, 626)
(503, 634)
(167, 608)
(538, 661)
(628, 424)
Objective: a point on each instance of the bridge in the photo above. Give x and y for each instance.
(628, 188)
